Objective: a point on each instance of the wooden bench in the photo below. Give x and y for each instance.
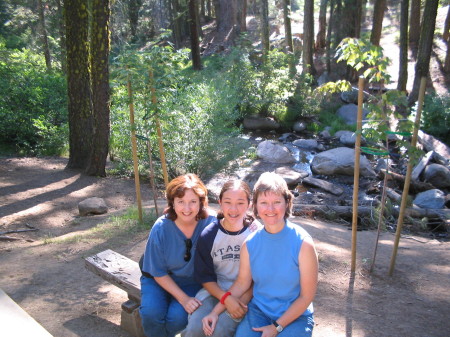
(125, 274)
(14, 321)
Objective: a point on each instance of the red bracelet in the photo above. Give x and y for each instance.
(224, 297)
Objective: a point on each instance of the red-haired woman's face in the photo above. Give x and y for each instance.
(187, 207)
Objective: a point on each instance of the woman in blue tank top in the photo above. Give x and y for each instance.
(281, 261)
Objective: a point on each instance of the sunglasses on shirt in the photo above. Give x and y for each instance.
(187, 254)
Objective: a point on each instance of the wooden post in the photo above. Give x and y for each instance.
(134, 151)
(152, 175)
(158, 130)
(423, 83)
(356, 170)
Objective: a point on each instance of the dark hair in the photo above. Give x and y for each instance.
(272, 182)
(177, 188)
(236, 184)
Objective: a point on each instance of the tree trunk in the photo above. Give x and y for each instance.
(100, 87)
(447, 59)
(403, 58)
(195, 49)
(265, 34)
(287, 25)
(446, 33)
(62, 36)
(175, 23)
(308, 38)
(377, 24)
(414, 24)
(321, 34)
(350, 18)
(425, 46)
(78, 83)
(48, 61)
(133, 16)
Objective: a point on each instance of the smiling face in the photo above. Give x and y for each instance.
(187, 207)
(234, 205)
(271, 208)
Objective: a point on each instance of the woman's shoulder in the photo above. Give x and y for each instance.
(299, 230)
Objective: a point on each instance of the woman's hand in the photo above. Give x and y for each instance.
(235, 307)
(267, 330)
(190, 304)
(209, 323)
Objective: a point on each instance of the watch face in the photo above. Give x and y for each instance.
(279, 328)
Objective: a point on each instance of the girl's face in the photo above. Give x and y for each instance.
(271, 208)
(187, 207)
(234, 205)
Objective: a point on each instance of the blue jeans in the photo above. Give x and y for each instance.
(255, 318)
(161, 314)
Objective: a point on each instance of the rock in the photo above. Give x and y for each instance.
(437, 175)
(299, 126)
(324, 185)
(431, 199)
(93, 206)
(432, 144)
(260, 123)
(383, 164)
(290, 175)
(340, 160)
(351, 96)
(306, 143)
(348, 138)
(349, 113)
(287, 137)
(325, 134)
(274, 153)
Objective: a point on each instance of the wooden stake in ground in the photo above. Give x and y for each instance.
(152, 176)
(409, 168)
(158, 130)
(134, 150)
(356, 171)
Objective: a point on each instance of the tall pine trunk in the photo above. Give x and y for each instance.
(48, 60)
(195, 48)
(81, 121)
(308, 38)
(100, 46)
(265, 28)
(377, 21)
(321, 34)
(403, 58)
(414, 24)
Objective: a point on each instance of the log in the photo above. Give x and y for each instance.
(421, 165)
(347, 211)
(416, 186)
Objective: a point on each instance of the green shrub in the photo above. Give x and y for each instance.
(33, 109)
(436, 116)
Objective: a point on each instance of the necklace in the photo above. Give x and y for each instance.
(222, 223)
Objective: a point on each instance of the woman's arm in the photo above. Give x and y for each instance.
(309, 269)
(190, 304)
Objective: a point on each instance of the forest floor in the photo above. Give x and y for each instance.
(44, 270)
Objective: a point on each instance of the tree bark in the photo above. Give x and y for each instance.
(62, 36)
(321, 34)
(78, 83)
(403, 58)
(195, 48)
(48, 60)
(100, 47)
(133, 17)
(308, 38)
(425, 46)
(414, 24)
(265, 28)
(377, 21)
(446, 33)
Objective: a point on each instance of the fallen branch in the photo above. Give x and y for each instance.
(5, 237)
(416, 186)
(19, 231)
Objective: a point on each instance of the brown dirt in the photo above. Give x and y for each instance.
(50, 282)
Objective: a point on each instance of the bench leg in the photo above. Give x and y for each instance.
(130, 319)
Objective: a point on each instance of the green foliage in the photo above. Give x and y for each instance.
(33, 109)
(436, 116)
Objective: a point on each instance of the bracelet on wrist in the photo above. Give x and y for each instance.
(224, 297)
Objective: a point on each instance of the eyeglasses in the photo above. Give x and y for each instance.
(187, 255)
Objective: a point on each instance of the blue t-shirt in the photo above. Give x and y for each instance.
(275, 269)
(165, 250)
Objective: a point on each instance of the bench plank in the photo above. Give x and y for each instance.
(117, 270)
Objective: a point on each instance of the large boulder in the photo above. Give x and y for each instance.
(274, 152)
(431, 199)
(306, 143)
(349, 113)
(341, 161)
(260, 123)
(291, 175)
(437, 175)
(92, 206)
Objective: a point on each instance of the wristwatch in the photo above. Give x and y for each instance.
(278, 326)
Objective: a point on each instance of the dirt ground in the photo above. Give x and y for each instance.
(48, 278)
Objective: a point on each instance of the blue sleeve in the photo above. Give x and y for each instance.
(203, 264)
(154, 257)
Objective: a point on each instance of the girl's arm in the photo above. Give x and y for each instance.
(190, 304)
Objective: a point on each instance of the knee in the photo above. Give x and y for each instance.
(194, 328)
(151, 314)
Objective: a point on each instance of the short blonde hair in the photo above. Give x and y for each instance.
(272, 182)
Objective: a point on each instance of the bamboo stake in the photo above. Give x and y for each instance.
(134, 151)
(158, 130)
(356, 171)
(152, 175)
(409, 168)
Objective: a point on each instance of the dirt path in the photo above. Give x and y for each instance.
(49, 281)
